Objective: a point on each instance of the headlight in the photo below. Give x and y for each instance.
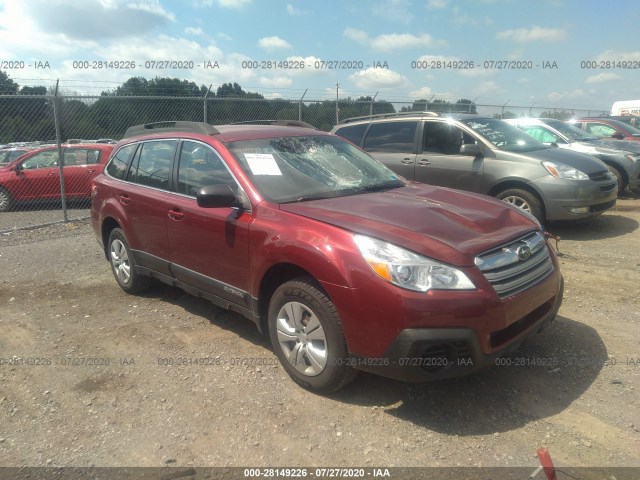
(410, 270)
(560, 170)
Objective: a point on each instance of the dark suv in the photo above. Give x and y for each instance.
(486, 155)
(347, 266)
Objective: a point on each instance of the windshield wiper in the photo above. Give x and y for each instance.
(377, 187)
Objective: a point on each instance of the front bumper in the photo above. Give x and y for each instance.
(576, 199)
(426, 354)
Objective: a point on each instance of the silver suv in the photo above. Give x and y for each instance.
(621, 157)
(486, 155)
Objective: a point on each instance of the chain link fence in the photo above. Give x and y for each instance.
(52, 146)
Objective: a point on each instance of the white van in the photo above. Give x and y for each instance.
(626, 107)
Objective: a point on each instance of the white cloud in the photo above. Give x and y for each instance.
(358, 36)
(393, 10)
(570, 95)
(278, 81)
(293, 11)
(424, 92)
(602, 77)
(395, 41)
(392, 41)
(89, 20)
(484, 88)
(233, 4)
(437, 4)
(533, 34)
(613, 56)
(373, 78)
(271, 44)
(198, 32)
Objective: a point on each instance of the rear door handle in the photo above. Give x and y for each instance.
(406, 161)
(424, 162)
(175, 214)
(124, 199)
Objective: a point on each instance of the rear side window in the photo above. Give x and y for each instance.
(397, 137)
(80, 156)
(353, 133)
(152, 165)
(117, 167)
(200, 167)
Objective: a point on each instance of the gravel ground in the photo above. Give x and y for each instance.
(92, 387)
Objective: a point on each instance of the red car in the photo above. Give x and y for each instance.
(347, 265)
(603, 127)
(35, 176)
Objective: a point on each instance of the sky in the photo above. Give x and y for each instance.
(551, 53)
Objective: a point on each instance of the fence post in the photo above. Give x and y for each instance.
(300, 105)
(56, 121)
(205, 103)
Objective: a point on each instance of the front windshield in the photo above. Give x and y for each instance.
(574, 133)
(504, 136)
(291, 169)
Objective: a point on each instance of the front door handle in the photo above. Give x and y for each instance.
(424, 162)
(406, 161)
(175, 214)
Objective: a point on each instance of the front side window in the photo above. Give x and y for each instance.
(200, 166)
(117, 167)
(152, 165)
(392, 137)
(600, 130)
(441, 137)
(290, 169)
(46, 159)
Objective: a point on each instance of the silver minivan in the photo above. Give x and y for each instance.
(486, 155)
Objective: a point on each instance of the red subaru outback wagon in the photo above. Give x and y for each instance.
(347, 266)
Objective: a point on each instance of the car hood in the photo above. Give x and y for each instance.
(627, 145)
(594, 149)
(581, 161)
(448, 225)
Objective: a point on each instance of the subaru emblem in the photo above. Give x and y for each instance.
(523, 252)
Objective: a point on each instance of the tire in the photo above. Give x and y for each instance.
(523, 199)
(307, 337)
(616, 173)
(123, 266)
(6, 202)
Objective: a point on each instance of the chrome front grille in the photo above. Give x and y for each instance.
(514, 267)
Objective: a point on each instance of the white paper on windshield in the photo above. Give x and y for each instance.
(262, 164)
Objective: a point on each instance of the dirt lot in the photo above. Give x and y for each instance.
(91, 386)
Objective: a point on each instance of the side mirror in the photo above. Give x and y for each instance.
(617, 135)
(217, 196)
(18, 169)
(470, 150)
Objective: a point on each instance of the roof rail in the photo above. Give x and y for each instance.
(395, 114)
(283, 123)
(171, 126)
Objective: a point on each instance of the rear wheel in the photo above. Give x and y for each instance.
(307, 336)
(6, 202)
(524, 200)
(123, 265)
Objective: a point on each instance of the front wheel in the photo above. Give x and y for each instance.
(524, 200)
(307, 337)
(123, 265)
(6, 201)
